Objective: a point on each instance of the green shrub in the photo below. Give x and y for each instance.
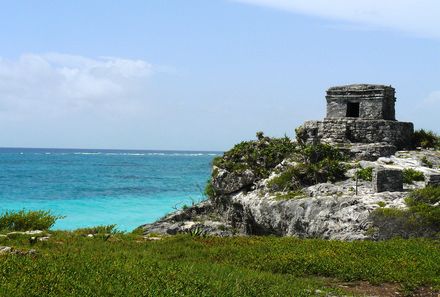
(381, 204)
(410, 175)
(260, 155)
(102, 229)
(209, 189)
(316, 164)
(426, 139)
(365, 173)
(285, 181)
(23, 220)
(421, 219)
(428, 195)
(426, 162)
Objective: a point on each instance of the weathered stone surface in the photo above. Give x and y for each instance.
(385, 179)
(226, 182)
(432, 179)
(371, 101)
(343, 217)
(326, 210)
(371, 151)
(352, 131)
(5, 250)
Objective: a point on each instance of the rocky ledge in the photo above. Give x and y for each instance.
(243, 204)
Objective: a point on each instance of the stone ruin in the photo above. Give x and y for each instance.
(360, 119)
(386, 179)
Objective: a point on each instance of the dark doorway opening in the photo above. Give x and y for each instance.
(353, 109)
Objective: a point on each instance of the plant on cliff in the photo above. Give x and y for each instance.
(209, 189)
(420, 219)
(365, 173)
(426, 139)
(315, 164)
(410, 175)
(260, 156)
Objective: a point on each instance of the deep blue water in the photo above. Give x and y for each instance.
(101, 187)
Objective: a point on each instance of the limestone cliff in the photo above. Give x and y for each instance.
(246, 202)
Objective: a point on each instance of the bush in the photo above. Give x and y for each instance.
(260, 155)
(27, 220)
(102, 229)
(421, 219)
(365, 173)
(209, 189)
(426, 139)
(410, 175)
(317, 163)
(426, 162)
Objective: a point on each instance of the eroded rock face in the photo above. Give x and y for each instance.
(340, 210)
(226, 182)
(329, 217)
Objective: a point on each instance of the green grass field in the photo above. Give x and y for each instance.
(70, 264)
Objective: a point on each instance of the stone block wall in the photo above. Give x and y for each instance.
(336, 131)
(375, 101)
(385, 179)
(433, 180)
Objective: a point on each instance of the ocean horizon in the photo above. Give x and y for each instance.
(92, 187)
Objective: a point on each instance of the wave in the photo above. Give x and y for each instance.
(173, 154)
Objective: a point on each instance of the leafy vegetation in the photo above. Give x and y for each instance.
(209, 189)
(260, 155)
(421, 219)
(103, 229)
(426, 139)
(410, 175)
(129, 265)
(27, 220)
(426, 162)
(315, 164)
(365, 173)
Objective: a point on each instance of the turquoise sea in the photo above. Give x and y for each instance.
(101, 187)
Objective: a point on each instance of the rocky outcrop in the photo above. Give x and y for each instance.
(340, 210)
(227, 182)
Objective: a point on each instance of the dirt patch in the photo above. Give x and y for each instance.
(363, 288)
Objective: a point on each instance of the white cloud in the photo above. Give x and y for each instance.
(419, 17)
(54, 84)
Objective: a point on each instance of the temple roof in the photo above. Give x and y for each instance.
(361, 90)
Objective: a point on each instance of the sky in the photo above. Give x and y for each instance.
(204, 75)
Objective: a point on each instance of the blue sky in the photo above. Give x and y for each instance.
(203, 75)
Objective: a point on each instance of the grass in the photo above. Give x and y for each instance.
(128, 265)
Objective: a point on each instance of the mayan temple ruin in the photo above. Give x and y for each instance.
(361, 119)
